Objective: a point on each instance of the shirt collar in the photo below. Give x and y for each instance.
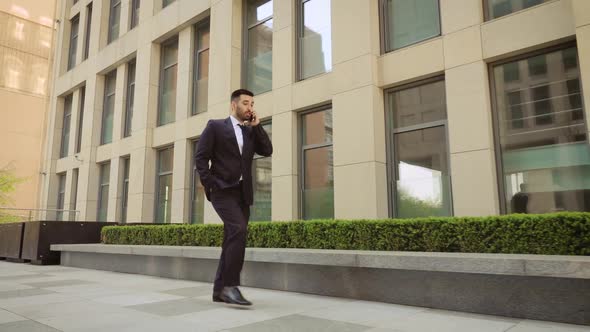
(234, 121)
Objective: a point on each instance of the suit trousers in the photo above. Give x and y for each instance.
(234, 212)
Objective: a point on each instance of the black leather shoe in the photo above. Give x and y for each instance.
(233, 295)
(217, 298)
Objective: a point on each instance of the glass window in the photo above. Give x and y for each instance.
(259, 45)
(166, 2)
(537, 65)
(315, 38)
(130, 98)
(262, 183)
(422, 173)
(164, 185)
(103, 192)
(570, 59)
(418, 133)
(61, 194)
(410, 21)
(125, 190)
(80, 119)
(499, 8)
(515, 106)
(542, 105)
(108, 108)
(201, 68)
(65, 130)
(135, 6)
(575, 99)
(511, 72)
(197, 193)
(114, 20)
(87, 32)
(416, 106)
(74, 24)
(168, 77)
(318, 170)
(545, 161)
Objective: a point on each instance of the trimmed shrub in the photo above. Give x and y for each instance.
(551, 234)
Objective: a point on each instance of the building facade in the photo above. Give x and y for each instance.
(26, 54)
(376, 108)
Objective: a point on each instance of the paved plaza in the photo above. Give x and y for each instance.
(58, 298)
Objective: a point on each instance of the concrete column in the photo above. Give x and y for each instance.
(81, 35)
(360, 189)
(143, 157)
(181, 182)
(119, 112)
(81, 202)
(225, 63)
(125, 17)
(285, 188)
(185, 59)
(68, 198)
(113, 213)
(225, 51)
(469, 112)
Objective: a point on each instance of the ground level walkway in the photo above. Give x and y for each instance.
(57, 298)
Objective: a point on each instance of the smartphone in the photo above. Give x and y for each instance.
(251, 117)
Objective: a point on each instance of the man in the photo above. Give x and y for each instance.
(520, 200)
(229, 144)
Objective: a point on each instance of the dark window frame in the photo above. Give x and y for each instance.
(73, 47)
(301, 148)
(110, 75)
(110, 33)
(385, 30)
(80, 119)
(205, 24)
(162, 71)
(193, 189)
(64, 149)
(101, 187)
(486, 12)
(245, 41)
(494, 109)
(159, 174)
(390, 132)
(129, 98)
(87, 32)
(300, 27)
(126, 161)
(134, 14)
(61, 196)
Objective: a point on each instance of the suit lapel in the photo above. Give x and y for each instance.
(231, 135)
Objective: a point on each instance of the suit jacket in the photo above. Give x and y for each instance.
(218, 144)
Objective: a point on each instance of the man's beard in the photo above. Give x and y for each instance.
(242, 115)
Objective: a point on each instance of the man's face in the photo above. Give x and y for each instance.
(243, 107)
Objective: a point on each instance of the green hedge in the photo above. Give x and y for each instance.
(553, 234)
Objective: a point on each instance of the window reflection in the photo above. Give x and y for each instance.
(25, 47)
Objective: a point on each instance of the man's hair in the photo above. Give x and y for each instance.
(235, 96)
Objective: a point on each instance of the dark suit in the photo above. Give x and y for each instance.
(230, 197)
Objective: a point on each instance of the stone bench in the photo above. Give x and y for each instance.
(554, 288)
